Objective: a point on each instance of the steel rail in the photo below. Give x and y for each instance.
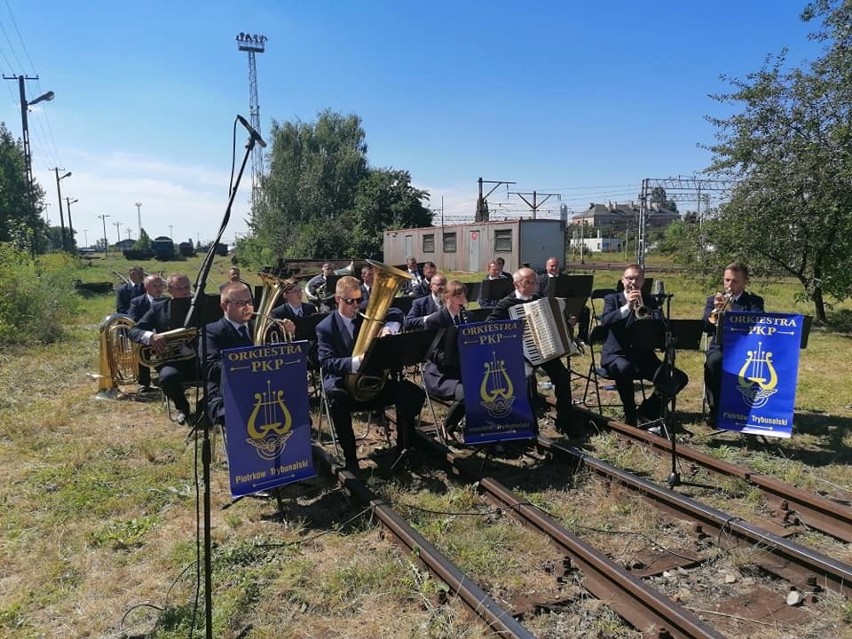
(497, 618)
(786, 559)
(798, 505)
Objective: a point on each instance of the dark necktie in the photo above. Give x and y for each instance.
(456, 320)
(244, 333)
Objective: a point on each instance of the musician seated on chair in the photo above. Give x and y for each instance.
(148, 331)
(318, 289)
(140, 305)
(524, 280)
(367, 278)
(423, 307)
(734, 297)
(442, 369)
(494, 273)
(337, 335)
(130, 289)
(234, 329)
(622, 361)
(552, 283)
(293, 307)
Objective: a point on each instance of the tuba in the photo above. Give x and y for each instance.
(387, 282)
(118, 359)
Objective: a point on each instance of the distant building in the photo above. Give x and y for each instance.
(124, 245)
(624, 216)
(597, 244)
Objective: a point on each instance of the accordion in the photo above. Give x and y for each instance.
(547, 334)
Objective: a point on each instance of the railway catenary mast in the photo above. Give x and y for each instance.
(253, 43)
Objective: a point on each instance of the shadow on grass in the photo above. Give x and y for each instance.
(829, 448)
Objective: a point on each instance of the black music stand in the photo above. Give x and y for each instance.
(403, 304)
(578, 285)
(306, 326)
(496, 289)
(669, 336)
(207, 305)
(395, 352)
(478, 314)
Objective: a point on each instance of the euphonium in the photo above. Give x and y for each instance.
(728, 298)
(387, 282)
(638, 307)
(178, 346)
(273, 286)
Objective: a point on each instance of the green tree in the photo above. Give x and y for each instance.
(322, 200)
(790, 148)
(143, 243)
(659, 196)
(20, 224)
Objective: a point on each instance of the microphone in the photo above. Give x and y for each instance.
(254, 134)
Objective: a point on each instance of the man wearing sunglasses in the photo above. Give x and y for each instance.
(336, 338)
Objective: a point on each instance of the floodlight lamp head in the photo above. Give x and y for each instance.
(44, 97)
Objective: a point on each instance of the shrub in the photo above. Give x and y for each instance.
(37, 299)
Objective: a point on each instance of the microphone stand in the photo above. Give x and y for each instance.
(202, 421)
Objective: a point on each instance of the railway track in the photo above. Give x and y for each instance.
(637, 601)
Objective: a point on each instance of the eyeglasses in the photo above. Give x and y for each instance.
(351, 300)
(241, 302)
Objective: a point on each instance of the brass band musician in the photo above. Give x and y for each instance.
(149, 331)
(734, 297)
(624, 362)
(337, 335)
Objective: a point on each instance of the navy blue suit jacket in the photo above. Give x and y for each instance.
(285, 311)
(746, 302)
(335, 348)
(125, 294)
(442, 370)
(617, 342)
(221, 335)
(420, 309)
(139, 305)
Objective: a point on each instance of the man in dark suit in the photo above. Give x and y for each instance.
(336, 338)
(442, 369)
(367, 278)
(293, 307)
(494, 274)
(622, 361)
(149, 330)
(127, 291)
(424, 306)
(734, 298)
(525, 283)
(418, 285)
(233, 330)
(318, 288)
(140, 305)
(548, 280)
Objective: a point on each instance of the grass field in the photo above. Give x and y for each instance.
(98, 505)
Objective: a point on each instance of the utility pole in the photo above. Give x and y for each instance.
(86, 237)
(106, 242)
(482, 200)
(117, 226)
(252, 44)
(61, 217)
(25, 137)
(68, 203)
(139, 218)
(535, 204)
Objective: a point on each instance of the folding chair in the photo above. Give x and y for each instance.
(597, 373)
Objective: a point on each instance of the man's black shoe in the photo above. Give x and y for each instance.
(180, 418)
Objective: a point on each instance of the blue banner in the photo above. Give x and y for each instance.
(492, 364)
(267, 425)
(760, 366)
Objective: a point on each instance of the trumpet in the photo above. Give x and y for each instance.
(727, 298)
(638, 306)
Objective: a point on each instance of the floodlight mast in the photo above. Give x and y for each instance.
(251, 44)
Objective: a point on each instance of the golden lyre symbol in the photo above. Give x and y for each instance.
(496, 390)
(753, 383)
(270, 423)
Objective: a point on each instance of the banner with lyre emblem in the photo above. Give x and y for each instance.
(760, 366)
(267, 425)
(492, 364)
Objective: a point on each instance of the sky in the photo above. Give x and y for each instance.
(575, 101)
